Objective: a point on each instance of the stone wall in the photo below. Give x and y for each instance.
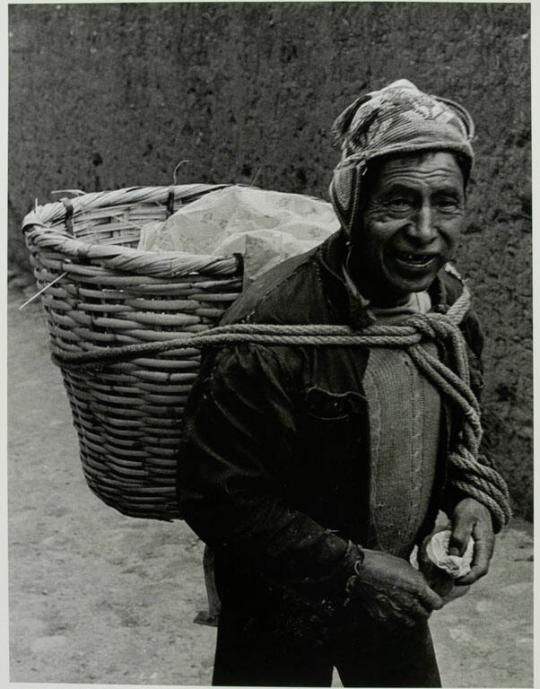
(112, 95)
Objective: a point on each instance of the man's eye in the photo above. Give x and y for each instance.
(448, 204)
(399, 203)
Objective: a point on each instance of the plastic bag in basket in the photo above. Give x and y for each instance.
(266, 227)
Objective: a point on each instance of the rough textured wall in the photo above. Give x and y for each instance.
(107, 96)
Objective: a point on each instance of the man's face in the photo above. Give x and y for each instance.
(411, 223)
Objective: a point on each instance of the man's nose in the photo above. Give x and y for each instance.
(422, 228)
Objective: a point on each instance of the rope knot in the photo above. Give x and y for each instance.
(423, 325)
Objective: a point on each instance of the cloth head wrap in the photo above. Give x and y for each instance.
(396, 120)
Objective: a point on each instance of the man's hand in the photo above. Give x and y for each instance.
(472, 519)
(393, 592)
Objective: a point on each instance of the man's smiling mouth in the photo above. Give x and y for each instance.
(414, 260)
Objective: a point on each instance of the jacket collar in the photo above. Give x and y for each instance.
(350, 304)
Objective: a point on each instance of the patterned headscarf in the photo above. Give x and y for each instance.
(398, 119)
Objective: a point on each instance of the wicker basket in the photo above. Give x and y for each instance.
(105, 293)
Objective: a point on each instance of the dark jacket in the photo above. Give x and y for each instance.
(274, 468)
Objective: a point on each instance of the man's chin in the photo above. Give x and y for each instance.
(404, 286)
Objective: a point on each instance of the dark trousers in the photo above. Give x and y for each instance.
(250, 655)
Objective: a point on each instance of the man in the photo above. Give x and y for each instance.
(312, 471)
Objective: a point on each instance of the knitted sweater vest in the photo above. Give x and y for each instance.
(404, 415)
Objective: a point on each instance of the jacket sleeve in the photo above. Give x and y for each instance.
(232, 477)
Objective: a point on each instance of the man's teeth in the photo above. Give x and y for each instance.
(413, 258)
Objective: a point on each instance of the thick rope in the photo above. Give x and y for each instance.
(476, 479)
(473, 477)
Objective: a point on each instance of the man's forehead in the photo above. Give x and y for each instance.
(434, 164)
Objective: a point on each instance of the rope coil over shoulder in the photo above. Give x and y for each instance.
(472, 476)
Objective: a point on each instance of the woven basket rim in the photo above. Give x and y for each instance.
(169, 264)
(56, 210)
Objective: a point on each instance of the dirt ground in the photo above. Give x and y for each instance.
(96, 597)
